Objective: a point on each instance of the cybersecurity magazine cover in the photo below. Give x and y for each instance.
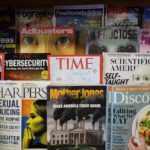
(26, 66)
(76, 117)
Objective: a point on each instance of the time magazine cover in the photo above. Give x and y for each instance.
(76, 117)
(114, 39)
(130, 113)
(145, 40)
(34, 114)
(8, 41)
(123, 17)
(81, 17)
(54, 40)
(75, 70)
(126, 69)
(26, 66)
(2, 65)
(10, 115)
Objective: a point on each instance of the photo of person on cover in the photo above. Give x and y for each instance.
(56, 41)
(132, 145)
(34, 124)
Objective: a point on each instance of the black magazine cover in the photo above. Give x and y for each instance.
(76, 117)
(26, 67)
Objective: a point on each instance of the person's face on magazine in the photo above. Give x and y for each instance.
(35, 122)
(44, 43)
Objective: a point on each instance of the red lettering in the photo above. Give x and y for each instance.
(60, 62)
(89, 63)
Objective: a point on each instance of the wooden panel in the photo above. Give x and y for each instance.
(73, 2)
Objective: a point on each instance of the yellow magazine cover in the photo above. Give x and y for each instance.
(54, 40)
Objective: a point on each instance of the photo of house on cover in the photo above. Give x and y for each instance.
(2, 66)
(54, 40)
(76, 117)
(34, 124)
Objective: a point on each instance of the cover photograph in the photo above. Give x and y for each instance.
(130, 113)
(54, 40)
(76, 117)
(145, 40)
(26, 66)
(81, 17)
(34, 16)
(114, 39)
(34, 115)
(146, 18)
(75, 70)
(123, 17)
(126, 69)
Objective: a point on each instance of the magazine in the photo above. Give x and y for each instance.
(114, 39)
(126, 69)
(54, 40)
(10, 115)
(75, 70)
(34, 16)
(130, 111)
(81, 17)
(7, 17)
(2, 65)
(8, 41)
(76, 117)
(145, 40)
(123, 17)
(26, 66)
(34, 114)
(146, 18)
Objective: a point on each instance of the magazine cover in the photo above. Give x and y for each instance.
(34, 16)
(7, 41)
(2, 63)
(76, 117)
(108, 119)
(126, 69)
(10, 115)
(26, 66)
(115, 39)
(75, 70)
(34, 114)
(54, 40)
(145, 40)
(123, 17)
(146, 18)
(130, 118)
(81, 17)
(7, 17)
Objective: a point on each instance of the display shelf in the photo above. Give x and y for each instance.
(141, 3)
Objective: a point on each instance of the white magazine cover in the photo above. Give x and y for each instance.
(126, 69)
(75, 70)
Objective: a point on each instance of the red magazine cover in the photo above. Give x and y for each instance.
(2, 57)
